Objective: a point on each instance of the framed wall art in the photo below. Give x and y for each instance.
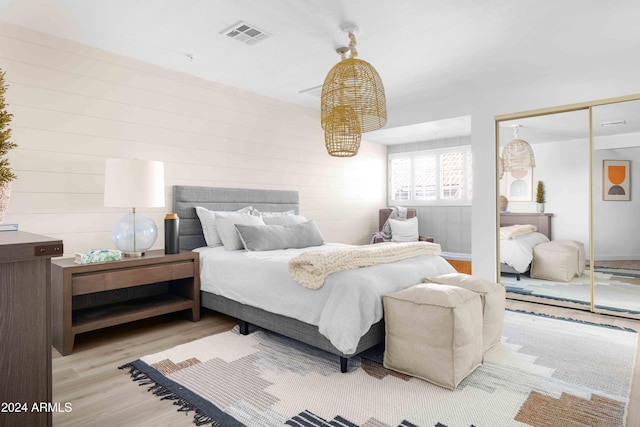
(519, 185)
(616, 184)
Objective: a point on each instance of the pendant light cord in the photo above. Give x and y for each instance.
(352, 45)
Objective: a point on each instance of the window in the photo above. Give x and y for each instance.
(431, 177)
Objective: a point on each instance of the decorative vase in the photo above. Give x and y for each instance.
(540, 207)
(171, 231)
(503, 203)
(5, 193)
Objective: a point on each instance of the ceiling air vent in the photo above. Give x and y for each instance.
(245, 33)
(613, 123)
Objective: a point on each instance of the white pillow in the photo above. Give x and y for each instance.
(284, 219)
(404, 230)
(226, 227)
(208, 222)
(256, 212)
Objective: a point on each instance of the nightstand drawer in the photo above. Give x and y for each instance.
(117, 279)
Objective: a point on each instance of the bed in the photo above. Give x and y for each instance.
(186, 198)
(516, 253)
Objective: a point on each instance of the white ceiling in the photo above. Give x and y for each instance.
(575, 124)
(421, 49)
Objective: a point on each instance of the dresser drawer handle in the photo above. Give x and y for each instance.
(48, 250)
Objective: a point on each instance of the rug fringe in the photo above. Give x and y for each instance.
(199, 417)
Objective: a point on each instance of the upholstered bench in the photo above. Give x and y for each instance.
(560, 260)
(433, 332)
(493, 297)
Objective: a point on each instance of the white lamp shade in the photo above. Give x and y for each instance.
(133, 183)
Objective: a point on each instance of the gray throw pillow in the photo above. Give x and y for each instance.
(271, 237)
(225, 225)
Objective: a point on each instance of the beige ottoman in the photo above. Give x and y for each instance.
(579, 247)
(493, 297)
(433, 332)
(555, 261)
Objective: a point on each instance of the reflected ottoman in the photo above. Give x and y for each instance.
(433, 332)
(579, 246)
(557, 260)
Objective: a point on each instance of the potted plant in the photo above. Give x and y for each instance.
(540, 197)
(6, 176)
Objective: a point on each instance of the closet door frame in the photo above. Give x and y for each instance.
(548, 111)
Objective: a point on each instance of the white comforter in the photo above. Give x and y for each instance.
(343, 313)
(518, 251)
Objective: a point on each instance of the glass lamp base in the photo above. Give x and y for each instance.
(134, 234)
(132, 254)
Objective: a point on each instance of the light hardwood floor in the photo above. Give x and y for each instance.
(102, 395)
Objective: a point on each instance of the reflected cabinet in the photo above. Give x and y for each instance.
(579, 162)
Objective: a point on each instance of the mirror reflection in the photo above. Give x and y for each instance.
(568, 224)
(544, 214)
(616, 205)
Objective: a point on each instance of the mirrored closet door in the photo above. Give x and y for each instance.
(616, 207)
(584, 252)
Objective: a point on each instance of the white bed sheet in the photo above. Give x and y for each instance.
(518, 252)
(343, 309)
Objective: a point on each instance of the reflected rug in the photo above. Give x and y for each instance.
(613, 292)
(620, 273)
(546, 372)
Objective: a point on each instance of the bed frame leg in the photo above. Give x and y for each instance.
(244, 327)
(518, 277)
(343, 364)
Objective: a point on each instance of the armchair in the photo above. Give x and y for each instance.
(383, 216)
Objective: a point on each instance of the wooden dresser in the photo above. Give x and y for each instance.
(25, 327)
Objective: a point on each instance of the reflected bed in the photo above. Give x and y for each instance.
(512, 252)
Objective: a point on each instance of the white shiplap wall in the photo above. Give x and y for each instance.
(74, 106)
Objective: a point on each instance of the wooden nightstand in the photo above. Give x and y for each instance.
(177, 275)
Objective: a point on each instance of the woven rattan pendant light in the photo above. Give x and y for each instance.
(342, 132)
(355, 83)
(517, 154)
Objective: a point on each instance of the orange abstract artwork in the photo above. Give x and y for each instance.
(616, 174)
(615, 183)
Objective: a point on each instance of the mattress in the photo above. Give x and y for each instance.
(343, 309)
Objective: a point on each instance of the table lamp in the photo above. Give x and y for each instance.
(134, 183)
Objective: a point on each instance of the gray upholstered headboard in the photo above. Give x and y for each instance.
(186, 198)
(541, 220)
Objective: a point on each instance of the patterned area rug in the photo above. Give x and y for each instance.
(546, 372)
(620, 273)
(615, 290)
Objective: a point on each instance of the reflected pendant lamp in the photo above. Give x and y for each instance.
(355, 83)
(342, 132)
(517, 154)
